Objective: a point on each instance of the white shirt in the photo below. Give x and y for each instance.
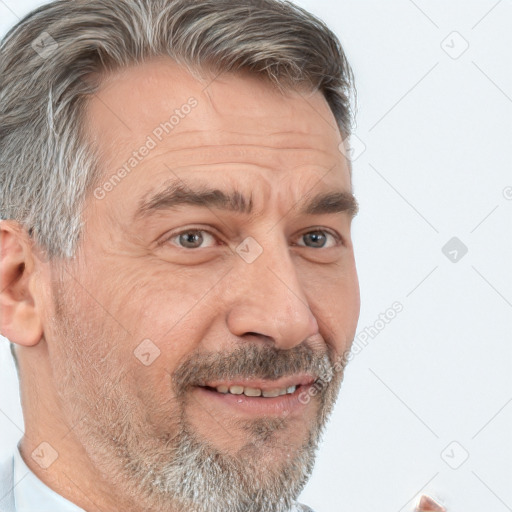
(32, 495)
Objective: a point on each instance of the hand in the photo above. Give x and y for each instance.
(427, 504)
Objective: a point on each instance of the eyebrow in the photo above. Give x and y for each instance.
(177, 194)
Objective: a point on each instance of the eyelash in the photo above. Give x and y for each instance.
(339, 240)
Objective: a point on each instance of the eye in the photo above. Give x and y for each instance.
(200, 238)
(319, 239)
(190, 239)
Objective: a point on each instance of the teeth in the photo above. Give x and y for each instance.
(252, 392)
(270, 393)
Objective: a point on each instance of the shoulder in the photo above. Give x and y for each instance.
(7, 484)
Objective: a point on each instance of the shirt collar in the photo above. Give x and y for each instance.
(32, 495)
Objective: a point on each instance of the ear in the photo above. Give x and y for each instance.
(19, 318)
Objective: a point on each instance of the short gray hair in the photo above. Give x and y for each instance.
(48, 61)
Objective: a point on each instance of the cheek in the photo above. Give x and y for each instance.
(169, 307)
(335, 301)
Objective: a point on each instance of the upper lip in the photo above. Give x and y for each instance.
(263, 384)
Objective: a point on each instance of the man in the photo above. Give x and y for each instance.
(177, 272)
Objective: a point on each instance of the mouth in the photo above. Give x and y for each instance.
(252, 391)
(259, 397)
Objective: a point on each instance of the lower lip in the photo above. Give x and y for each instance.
(258, 405)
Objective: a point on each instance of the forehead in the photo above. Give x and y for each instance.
(235, 121)
(143, 93)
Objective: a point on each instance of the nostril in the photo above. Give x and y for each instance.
(258, 335)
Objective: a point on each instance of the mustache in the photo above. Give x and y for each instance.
(252, 361)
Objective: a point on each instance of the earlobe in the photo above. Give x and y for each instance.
(20, 320)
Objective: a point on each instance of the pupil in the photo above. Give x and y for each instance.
(318, 238)
(191, 239)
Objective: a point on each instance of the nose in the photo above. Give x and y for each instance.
(268, 300)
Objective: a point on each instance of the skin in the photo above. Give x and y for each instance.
(77, 323)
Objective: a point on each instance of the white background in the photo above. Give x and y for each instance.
(433, 148)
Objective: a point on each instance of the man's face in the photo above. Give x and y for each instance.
(172, 301)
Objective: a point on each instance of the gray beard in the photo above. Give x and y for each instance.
(187, 473)
(196, 477)
(183, 472)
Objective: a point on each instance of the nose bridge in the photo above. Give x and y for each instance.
(270, 300)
